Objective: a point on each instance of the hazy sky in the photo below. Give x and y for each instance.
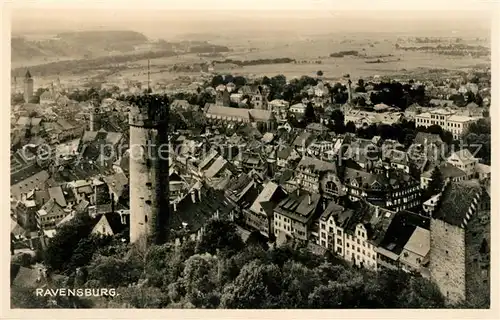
(189, 16)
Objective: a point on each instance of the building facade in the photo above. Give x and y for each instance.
(456, 124)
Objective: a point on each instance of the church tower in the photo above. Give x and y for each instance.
(28, 87)
(95, 118)
(149, 169)
(95, 113)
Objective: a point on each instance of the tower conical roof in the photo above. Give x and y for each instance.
(28, 74)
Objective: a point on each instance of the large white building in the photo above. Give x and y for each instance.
(458, 125)
(345, 232)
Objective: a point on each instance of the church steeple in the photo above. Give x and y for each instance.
(28, 87)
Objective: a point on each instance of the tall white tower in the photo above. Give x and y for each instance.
(149, 168)
(28, 87)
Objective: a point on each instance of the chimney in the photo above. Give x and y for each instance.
(175, 206)
(193, 196)
(309, 201)
(324, 204)
(377, 211)
(199, 194)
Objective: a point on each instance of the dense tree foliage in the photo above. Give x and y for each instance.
(220, 235)
(219, 271)
(478, 140)
(435, 185)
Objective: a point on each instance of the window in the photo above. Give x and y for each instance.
(323, 227)
(358, 249)
(323, 243)
(358, 241)
(339, 233)
(339, 241)
(146, 219)
(347, 245)
(323, 235)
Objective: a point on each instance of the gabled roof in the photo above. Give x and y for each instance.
(117, 183)
(28, 182)
(191, 216)
(419, 241)
(300, 206)
(47, 95)
(456, 200)
(447, 170)
(51, 207)
(303, 139)
(28, 74)
(113, 219)
(264, 196)
(316, 165)
(57, 194)
(216, 167)
(427, 138)
(462, 155)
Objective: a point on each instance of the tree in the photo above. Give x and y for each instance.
(61, 247)
(437, 182)
(139, 297)
(257, 239)
(220, 234)
(217, 80)
(200, 280)
(252, 288)
(319, 73)
(350, 127)
(309, 115)
(361, 86)
(420, 293)
(16, 98)
(113, 271)
(239, 81)
(265, 81)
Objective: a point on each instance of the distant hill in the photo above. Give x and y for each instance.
(77, 45)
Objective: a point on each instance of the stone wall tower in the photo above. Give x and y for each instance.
(28, 87)
(149, 167)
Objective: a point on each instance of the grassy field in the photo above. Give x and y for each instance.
(311, 49)
(331, 67)
(307, 49)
